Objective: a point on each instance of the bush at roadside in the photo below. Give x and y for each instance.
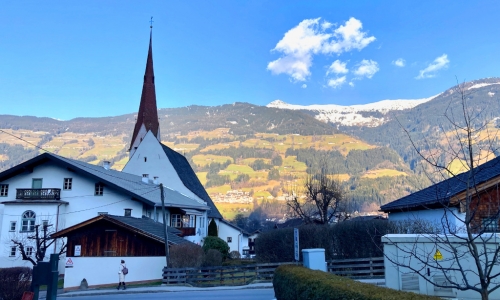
(14, 282)
(187, 255)
(295, 282)
(216, 243)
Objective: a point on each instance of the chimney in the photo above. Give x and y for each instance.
(145, 178)
(106, 164)
(128, 212)
(156, 180)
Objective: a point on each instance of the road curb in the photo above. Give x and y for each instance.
(131, 291)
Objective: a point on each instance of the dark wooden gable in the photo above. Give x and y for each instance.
(104, 238)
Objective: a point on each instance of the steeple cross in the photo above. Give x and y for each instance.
(151, 23)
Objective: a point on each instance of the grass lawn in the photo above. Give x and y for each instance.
(206, 159)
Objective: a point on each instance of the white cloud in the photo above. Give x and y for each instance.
(337, 67)
(351, 84)
(366, 68)
(304, 86)
(311, 37)
(337, 82)
(399, 62)
(439, 63)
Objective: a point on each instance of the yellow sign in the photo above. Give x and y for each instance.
(438, 255)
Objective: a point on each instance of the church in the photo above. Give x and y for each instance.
(101, 215)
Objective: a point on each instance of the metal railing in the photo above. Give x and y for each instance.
(38, 194)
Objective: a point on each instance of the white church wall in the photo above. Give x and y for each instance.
(149, 158)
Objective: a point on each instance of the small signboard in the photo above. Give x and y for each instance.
(296, 243)
(69, 263)
(438, 255)
(78, 250)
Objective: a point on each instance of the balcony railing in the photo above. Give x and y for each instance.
(187, 231)
(38, 194)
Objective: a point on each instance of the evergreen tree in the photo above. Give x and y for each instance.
(212, 229)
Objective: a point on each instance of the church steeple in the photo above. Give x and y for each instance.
(147, 118)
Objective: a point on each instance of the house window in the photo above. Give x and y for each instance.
(4, 190)
(68, 184)
(490, 224)
(13, 250)
(99, 189)
(45, 223)
(29, 251)
(28, 221)
(145, 159)
(36, 183)
(128, 212)
(176, 221)
(13, 225)
(188, 221)
(229, 239)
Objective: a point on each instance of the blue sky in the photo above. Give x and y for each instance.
(67, 59)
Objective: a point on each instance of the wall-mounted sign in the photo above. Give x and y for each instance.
(69, 263)
(78, 250)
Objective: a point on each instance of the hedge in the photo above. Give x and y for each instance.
(13, 282)
(293, 282)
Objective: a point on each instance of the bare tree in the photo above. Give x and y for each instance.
(465, 255)
(33, 246)
(321, 200)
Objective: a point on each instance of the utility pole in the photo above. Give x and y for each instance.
(164, 223)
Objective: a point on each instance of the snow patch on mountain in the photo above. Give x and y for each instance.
(352, 115)
(480, 85)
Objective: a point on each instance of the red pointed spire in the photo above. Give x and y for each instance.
(148, 113)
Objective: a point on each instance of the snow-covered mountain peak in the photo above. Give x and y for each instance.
(353, 115)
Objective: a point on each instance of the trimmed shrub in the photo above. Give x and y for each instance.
(212, 258)
(212, 228)
(234, 255)
(14, 282)
(295, 283)
(213, 242)
(187, 255)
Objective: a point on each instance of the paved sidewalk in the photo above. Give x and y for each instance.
(170, 289)
(159, 289)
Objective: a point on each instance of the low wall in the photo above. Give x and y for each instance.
(99, 271)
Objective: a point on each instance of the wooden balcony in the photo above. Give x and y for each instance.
(38, 194)
(187, 231)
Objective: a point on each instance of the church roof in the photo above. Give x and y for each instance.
(148, 113)
(190, 180)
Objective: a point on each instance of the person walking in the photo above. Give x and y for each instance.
(121, 275)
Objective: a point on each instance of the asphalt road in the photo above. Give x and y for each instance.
(244, 294)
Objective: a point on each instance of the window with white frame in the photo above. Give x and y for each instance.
(13, 250)
(68, 184)
(28, 221)
(229, 239)
(29, 251)
(188, 221)
(13, 225)
(99, 189)
(4, 190)
(176, 221)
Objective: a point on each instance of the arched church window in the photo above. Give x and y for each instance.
(28, 221)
